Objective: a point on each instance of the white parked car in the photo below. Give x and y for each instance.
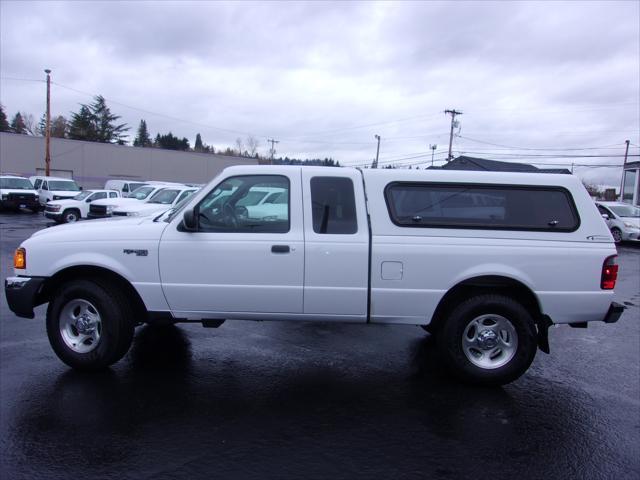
(73, 209)
(485, 261)
(161, 201)
(622, 219)
(125, 187)
(17, 192)
(104, 208)
(54, 188)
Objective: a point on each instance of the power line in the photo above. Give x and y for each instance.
(539, 148)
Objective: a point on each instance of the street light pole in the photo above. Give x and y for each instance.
(47, 141)
(433, 152)
(624, 164)
(375, 164)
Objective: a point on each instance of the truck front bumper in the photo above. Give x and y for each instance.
(21, 293)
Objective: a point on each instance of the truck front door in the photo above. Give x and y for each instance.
(241, 262)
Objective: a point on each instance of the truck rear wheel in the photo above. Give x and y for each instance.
(89, 324)
(488, 340)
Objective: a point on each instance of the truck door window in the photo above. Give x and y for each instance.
(333, 205)
(98, 196)
(37, 184)
(235, 206)
(113, 195)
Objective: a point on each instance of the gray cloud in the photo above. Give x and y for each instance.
(531, 74)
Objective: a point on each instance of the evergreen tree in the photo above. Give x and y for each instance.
(42, 125)
(18, 125)
(4, 124)
(142, 138)
(95, 123)
(198, 147)
(83, 125)
(171, 142)
(107, 131)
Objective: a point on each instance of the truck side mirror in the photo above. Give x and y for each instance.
(190, 220)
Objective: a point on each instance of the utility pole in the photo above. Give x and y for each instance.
(47, 152)
(433, 152)
(273, 149)
(624, 164)
(453, 114)
(375, 163)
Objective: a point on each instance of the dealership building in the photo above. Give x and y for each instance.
(631, 183)
(91, 164)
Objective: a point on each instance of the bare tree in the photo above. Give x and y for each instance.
(239, 146)
(593, 190)
(29, 124)
(252, 145)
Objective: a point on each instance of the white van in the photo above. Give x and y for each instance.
(54, 188)
(124, 186)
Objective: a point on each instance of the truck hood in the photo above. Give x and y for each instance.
(64, 193)
(7, 191)
(64, 203)
(144, 208)
(110, 228)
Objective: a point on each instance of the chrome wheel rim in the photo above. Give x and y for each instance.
(71, 217)
(80, 326)
(489, 341)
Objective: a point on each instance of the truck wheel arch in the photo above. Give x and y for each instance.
(486, 284)
(88, 272)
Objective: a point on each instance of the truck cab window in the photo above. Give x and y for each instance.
(333, 206)
(237, 205)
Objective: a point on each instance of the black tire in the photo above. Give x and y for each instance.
(451, 335)
(71, 215)
(617, 235)
(116, 333)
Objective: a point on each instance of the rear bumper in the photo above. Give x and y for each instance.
(615, 310)
(21, 293)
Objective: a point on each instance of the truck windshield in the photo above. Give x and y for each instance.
(63, 185)
(626, 211)
(83, 195)
(141, 193)
(165, 197)
(16, 183)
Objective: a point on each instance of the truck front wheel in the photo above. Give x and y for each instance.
(89, 324)
(488, 339)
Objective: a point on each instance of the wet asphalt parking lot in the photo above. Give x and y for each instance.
(302, 400)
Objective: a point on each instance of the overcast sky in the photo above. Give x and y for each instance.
(324, 78)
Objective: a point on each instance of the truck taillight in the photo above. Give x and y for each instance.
(20, 259)
(609, 273)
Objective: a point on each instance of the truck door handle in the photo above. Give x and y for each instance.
(280, 249)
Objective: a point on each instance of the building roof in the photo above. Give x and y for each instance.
(631, 165)
(473, 163)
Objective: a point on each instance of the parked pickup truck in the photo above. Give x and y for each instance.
(484, 261)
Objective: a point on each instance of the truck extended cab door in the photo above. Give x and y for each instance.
(336, 273)
(241, 262)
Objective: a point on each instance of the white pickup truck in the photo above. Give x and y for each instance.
(484, 261)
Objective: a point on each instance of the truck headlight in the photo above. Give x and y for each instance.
(133, 214)
(53, 208)
(109, 208)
